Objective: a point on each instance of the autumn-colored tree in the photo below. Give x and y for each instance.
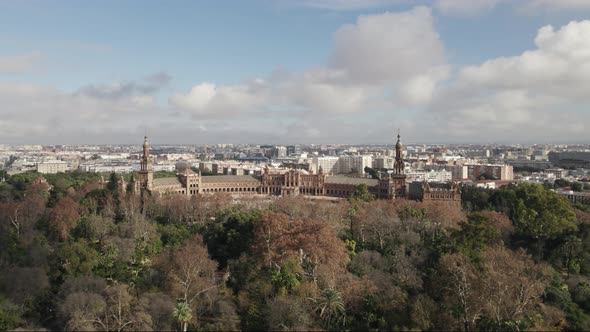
(190, 273)
(512, 285)
(312, 242)
(505, 290)
(111, 308)
(63, 218)
(461, 285)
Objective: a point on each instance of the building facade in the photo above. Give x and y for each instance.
(499, 172)
(52, 167)
(286, 182)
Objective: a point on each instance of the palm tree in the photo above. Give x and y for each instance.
(182, 313)
(331, 307)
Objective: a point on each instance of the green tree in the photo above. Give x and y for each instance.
(182, 313)
(231, 234)
(330, 307)
(361, 194)
(10, 315)
(474, 235)
(541, 215)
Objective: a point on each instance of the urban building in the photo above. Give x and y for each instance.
(329, 165)
(52, 167)
(285, 182)
(498, 172)
(570, 158)
(383, 163)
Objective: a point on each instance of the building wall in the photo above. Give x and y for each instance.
(329, 165)
(500, 172)
(51, 167)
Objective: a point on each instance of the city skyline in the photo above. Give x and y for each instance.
(294, 72)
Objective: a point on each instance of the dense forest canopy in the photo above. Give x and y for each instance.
(75, 255)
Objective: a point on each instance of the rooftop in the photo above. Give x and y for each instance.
(228, 178)
(353, 181)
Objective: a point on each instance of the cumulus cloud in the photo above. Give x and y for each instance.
(34, 113)
(559, 66)
(388, 46)
(384, 71)
(11, 64)
(397, 54)
(209, 100)
(526, 97)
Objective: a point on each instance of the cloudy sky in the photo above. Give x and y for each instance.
(294, 71)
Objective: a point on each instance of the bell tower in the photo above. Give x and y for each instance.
(146, 172)
(398, 177)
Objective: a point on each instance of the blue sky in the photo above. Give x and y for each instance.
(261, 54)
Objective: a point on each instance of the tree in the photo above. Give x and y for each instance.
(231, 234)
(330, 307)
(461, 287)
(362, 194)
(109, 309)
(541, 215)
(182, 313)
(512, 284)
(313, 244)
(63, 218)
(504, 291)
(287, 314)
(160, 307)
(190, 273)
(10, 315)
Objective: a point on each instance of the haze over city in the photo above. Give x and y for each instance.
(294, 72)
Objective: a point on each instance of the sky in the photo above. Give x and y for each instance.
(294, 71)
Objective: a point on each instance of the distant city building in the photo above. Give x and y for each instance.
(329, 165)
(498, 172)
(535, 164)
(52, 167)
(575, 197)
(435, 191)
(279, 152)
(458, 171)
(558, 172)
(293, 150)
(289, 182)
(354, 164)
(570, 158)
(383, 162)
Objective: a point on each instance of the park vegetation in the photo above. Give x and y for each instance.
(81, 256)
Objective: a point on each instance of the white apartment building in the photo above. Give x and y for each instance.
(329, 165)
(459, 171)
(355, 164)
(52, 167)
(429, 176)
(383, 162)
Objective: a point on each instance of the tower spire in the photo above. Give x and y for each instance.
(398, 167)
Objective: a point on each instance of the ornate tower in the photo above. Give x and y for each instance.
(146, 173)
(398, 178)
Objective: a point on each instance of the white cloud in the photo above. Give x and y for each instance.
(216, 101)
(378, 55)
(477, 7)
(465, 7)
(559, 66)
(538, 95)
(343, 5)
(12, 64)
(388, 46)
(549, 5)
